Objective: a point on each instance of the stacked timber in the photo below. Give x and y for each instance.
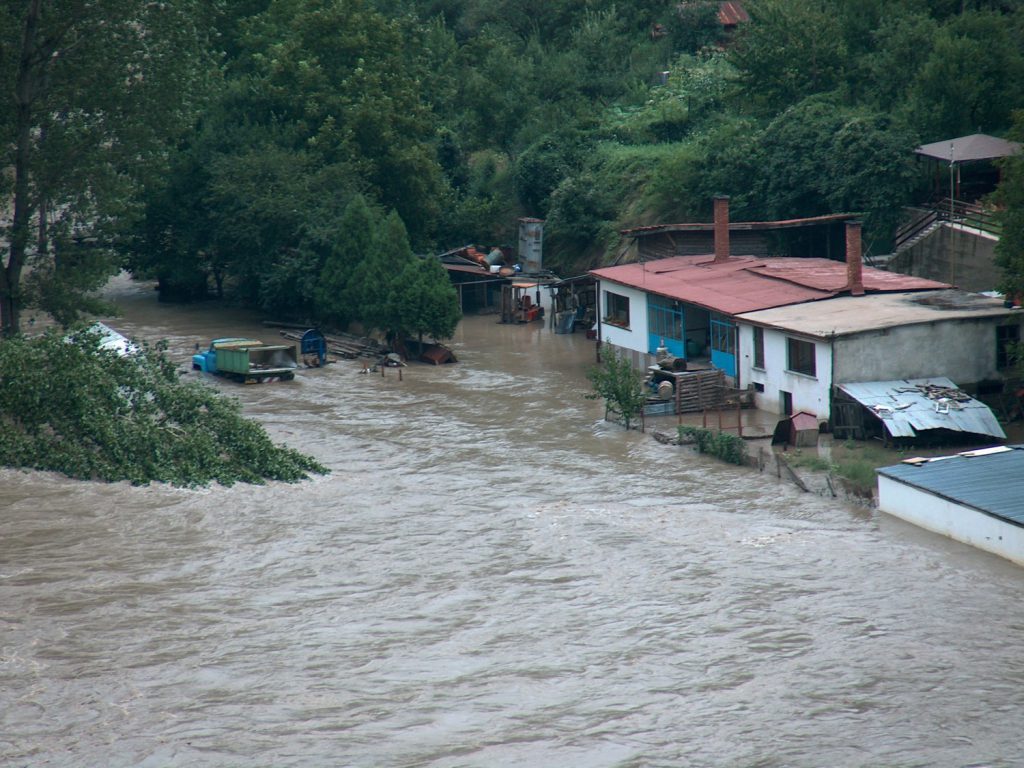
(346, 345)
(699, 390)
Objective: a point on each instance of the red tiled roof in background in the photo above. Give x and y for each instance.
(746, 284)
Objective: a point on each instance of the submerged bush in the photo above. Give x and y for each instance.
(723, 445)
(68, 406)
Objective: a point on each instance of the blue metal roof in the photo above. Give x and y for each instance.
(990, 482)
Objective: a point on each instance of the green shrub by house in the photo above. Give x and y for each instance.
(727, 447)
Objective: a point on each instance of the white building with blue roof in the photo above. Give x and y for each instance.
(976, 497)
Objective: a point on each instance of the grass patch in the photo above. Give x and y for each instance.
(811, 461)
(855, 462)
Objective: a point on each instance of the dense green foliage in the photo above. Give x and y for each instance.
(619, 384)
(68, 406)
(723, 445)
(462, 115)
(90, 96)
(1010, 248)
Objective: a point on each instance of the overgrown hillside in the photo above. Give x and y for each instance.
(460, 116)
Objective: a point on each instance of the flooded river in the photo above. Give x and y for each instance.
(490, 576)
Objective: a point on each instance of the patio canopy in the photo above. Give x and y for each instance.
(978, 146)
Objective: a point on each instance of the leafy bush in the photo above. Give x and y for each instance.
(619, 384)
(860, 473)
(68, 406)
(723, 445)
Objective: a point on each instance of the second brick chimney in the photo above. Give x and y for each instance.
(721, 228)
(854, 260)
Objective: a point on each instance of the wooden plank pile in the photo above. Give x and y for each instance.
(346, 345)
(699, 390)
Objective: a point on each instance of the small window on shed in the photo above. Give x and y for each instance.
(800, 357)
(758, 347)
(1006, 337)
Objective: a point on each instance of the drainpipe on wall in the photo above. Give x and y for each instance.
(832, 377)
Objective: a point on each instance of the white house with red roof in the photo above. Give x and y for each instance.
(791, 328)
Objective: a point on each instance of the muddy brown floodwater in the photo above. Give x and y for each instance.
(490, 576)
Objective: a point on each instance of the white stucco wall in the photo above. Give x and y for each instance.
(965, 351)
(633, 338)
(964, 524)
(810, 394)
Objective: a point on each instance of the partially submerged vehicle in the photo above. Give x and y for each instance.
(247, 360)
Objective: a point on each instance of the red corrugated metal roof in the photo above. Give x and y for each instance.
(746, 284)
(730, 14)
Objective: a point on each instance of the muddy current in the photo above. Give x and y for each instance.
(491, 575)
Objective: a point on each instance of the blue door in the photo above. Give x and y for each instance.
(723, 344)
(665, 324)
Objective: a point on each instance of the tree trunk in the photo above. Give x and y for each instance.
(25, 90)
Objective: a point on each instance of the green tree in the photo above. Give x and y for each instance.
(424, 302)
(1010, 200)
(971, 81)
(791, 49)
(339, 75)
(375, 279)
(695, 26)
(819, 157)
(337, 297)
(889, 68)
(619, 384)
(93, 414)
(93, 91)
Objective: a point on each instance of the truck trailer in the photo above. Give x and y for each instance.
(247, 360)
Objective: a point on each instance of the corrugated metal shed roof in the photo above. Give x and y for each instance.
(746, 284)
(732, 13)
(905, 407)
(989, 482)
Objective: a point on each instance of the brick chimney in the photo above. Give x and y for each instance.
(721, 228)
(854, 260)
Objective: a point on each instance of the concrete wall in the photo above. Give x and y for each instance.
(963, 350)
(952, 254)
(810, 394)
(964, 524)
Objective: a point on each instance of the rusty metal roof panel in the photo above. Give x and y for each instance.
(748, 284)
(727, 287)
(989, 481)
(909, 406)
(740, 226)
(828, 275)
(732, 13)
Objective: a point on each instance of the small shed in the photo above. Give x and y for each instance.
(911, 408)
(976, 497)
(799, 430)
